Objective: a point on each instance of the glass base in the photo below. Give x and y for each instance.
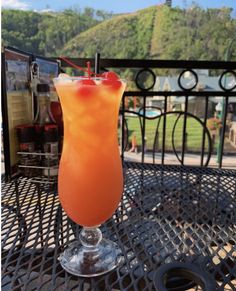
(84, 261)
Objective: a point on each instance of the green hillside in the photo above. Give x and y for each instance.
(193, 34)
(157, 32)
(125, 36)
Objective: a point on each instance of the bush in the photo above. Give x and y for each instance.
(214, 123)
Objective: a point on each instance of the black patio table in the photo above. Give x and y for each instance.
(167, 214)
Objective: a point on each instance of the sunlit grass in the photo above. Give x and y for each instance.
(194, 132)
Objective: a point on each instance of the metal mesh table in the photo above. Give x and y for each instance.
(167, 214)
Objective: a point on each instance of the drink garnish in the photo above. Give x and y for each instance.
(110, 75)
(111, 79)
(106, 75)
(108, 78)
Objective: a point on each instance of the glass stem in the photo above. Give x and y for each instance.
(90, 237)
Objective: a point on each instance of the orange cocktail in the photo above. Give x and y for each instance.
(90, 181)
(90, 173)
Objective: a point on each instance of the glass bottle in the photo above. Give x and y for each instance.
(46, 131)
(50, 147)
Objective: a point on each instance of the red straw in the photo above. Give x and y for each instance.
(88, 70)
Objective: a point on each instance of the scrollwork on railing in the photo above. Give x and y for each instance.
(223, 77)
(192, 83)
(140, 79)
(158, 116)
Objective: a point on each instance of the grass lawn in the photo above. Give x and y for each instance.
(194, 132)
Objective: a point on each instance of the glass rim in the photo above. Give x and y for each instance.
(74, 78)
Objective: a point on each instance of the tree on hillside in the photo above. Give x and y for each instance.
(20, 29)
(57, 30)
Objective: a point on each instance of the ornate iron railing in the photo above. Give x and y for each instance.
(149, 81)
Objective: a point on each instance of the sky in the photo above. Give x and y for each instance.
(119, 6)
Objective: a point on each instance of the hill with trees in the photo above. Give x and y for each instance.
(158, 32)
(46, 33)
(124, 36)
